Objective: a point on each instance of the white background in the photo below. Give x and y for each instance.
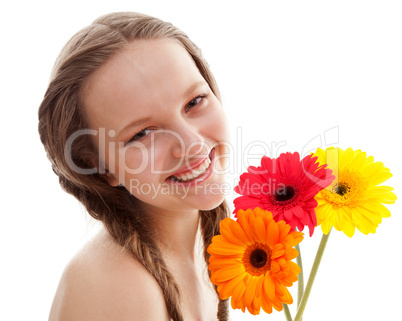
(289, 71)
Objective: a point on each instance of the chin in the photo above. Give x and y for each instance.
(210, 203)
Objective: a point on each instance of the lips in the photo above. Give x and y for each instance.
(191, 173)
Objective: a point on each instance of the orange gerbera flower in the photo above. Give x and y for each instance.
(251, 261)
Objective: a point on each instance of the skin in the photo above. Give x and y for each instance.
(155, 82)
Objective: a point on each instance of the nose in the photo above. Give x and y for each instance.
(189, 142)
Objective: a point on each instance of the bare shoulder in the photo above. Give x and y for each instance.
(103, 282)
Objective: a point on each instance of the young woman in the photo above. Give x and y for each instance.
(133, 125)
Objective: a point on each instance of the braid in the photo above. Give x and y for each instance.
(209, 228)
(133, 233)
(148, 254)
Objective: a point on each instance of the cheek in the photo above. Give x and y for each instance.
(218, 128)
(142, 161)
(128, 162)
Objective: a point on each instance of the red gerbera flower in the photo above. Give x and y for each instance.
(286, 187)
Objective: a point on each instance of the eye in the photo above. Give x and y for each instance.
(141, 134)
(194, 102)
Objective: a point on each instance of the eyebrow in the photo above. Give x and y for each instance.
(193, 87)
(133, 124)
(140, 121)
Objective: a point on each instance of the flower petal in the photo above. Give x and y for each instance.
(272, 234)
(269, 287)
(227, 273)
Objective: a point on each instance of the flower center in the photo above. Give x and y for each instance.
(257, 259)
(284, 194)
(347, 190)
(341, 189)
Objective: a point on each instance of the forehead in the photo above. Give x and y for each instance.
(142, 75)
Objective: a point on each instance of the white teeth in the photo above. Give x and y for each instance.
(195, 172)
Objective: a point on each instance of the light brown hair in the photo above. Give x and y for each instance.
(61, 114)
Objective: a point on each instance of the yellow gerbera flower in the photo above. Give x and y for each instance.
(354, 199)
(251, 261)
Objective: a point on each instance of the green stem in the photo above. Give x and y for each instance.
(312, 276)
(287, 312)
(300, 281)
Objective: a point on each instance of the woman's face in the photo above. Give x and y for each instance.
(162, 133)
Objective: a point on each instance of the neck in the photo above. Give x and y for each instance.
(177, 233)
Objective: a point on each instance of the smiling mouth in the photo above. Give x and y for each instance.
(194, 173)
